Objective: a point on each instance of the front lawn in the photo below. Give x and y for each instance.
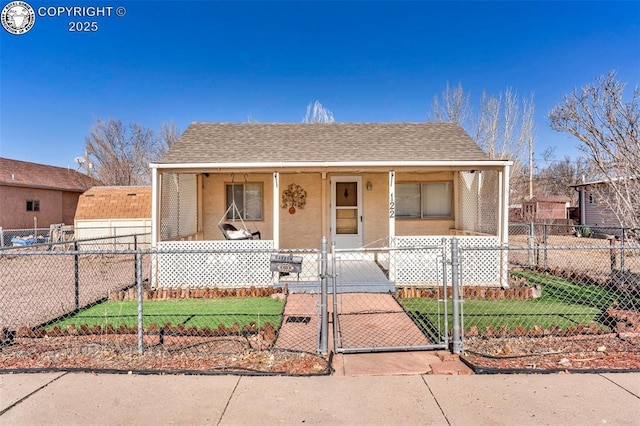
(563, 304)
(188, 312)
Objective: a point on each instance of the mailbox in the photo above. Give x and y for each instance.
(286, 264)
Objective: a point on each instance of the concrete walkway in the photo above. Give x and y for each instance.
(89, 399)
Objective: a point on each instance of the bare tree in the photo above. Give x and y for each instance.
(455, 106)
(168, 135)
(121, 154)
(559, 175)
(503, 127)
(316, 113)
(607, 128)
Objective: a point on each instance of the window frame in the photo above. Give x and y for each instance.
(230, 215)
(34, 204)
(423, 215)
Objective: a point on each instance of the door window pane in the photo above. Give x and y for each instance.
(346, 194)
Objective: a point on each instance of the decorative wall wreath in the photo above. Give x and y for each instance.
(294, 196)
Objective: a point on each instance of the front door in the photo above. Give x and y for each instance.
(346, 211)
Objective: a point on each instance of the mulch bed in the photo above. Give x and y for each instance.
(184, 354)
(581, 353)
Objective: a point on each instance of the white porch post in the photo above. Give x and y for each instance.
(276, 210)
(392, 204)
(392, 224)
(156, 196)
(155, 204)
(504, 227)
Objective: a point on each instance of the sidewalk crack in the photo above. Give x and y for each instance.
(224, 410)
(29, 395)
(436, 400)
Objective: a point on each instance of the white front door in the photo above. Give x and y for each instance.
(346, 211)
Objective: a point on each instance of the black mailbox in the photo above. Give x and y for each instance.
(286, 264)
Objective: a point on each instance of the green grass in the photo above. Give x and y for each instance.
(562, 304)
(190, 312)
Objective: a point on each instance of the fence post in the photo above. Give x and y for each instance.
(139, 291)
(324, 319)
(445, 296)
(76, 274)
(544, 241)
(335, 296)
(455, 281)
(622, 237)
(1, 237)
(135, 248)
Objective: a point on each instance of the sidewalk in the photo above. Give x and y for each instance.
(88, 399)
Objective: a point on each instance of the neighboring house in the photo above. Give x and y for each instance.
(37, 195)
(594, 211)
(546, 208)
(358, 184)
(107, 211)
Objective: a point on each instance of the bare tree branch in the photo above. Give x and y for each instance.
(316, 113)
(607, 128)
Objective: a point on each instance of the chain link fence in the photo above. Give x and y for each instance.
(116, 304)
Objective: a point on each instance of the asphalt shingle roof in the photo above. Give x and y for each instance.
(34, 175)
(325, 142)
(115, 202)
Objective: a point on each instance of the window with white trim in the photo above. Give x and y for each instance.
(248, 200)
(427, 200)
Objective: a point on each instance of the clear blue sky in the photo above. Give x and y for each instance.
(365, 61)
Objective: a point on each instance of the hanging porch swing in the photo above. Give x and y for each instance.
(228, 229)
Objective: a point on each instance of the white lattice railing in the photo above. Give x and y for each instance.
(213, 264)
(424, 266)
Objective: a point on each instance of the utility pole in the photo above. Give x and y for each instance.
(530, 167)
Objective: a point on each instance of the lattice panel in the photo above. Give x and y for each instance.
(489, 204)
(188, 205)
(424, 266)
(468, 190)
(215, 264)
(480, 260)
(417, 267)
(179, 205)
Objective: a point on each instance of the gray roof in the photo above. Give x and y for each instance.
(322, 142)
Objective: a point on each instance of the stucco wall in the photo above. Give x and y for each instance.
(303, 229)
(55, 207)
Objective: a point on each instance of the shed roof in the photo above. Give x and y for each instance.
(550, 199)
(322, 142)
(34, 175)
(115, 202)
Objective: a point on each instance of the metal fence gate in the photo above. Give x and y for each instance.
(378, 304)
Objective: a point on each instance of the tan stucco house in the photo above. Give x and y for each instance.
(357, 184)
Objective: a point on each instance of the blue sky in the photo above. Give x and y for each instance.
(365, 61)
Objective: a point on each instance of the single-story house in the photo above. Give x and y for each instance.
(357, 184)
(37, 195)
(110, 211)
(594, 210)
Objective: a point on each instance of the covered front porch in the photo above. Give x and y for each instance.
(358, 209)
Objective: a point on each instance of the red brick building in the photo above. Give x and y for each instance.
(38, 195)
